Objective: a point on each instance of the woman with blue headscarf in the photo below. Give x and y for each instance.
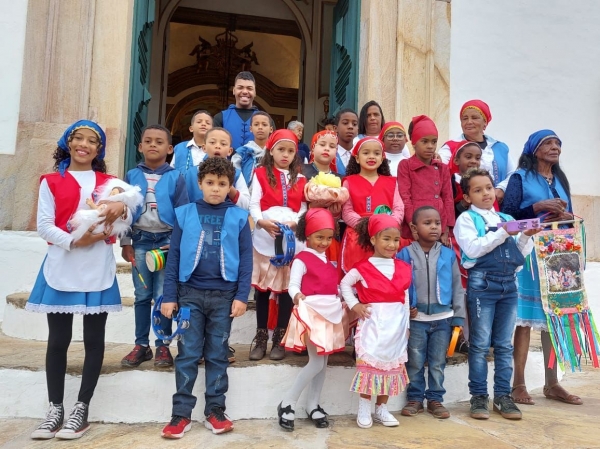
(539, 188)
(78, 276)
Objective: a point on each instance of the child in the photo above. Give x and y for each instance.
(277, 197)
(491, 258)
(247, 157)
(316, 323)
(437, 303)
(218, 144)
(323, 155)
(465, 156)
(393, 136)
(77, 276)
(190, 154)
(423, 180)
(208, 270)
(370, 185)
(346, 127)
(382, 331)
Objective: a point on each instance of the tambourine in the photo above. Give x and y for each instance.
(520, 225)
(182, 319)
(453, 341)
(156, 259)
(383, 209)
(283, 257)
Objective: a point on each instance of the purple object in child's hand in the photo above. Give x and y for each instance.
(520, 225)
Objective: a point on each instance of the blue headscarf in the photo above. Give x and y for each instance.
(536, 139)
(63, 143)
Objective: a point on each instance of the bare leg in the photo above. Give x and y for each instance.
(521, 350)
(552, 389)
(382, 400)
(365, 396)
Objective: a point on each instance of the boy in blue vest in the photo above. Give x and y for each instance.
(164, 189)
(189, 154)
(491, 257)
(208, 271)
(247, 157)
(437, 304)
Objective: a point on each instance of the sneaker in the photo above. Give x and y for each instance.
(163, 357)
(77, 424)
(218, 421)
(137, 356)
(363, 417)
(231, 354)
(412, 408)
(437, 410)
(507, 408)
(177, 427)
(479, 407)
(54, 421)
(383, 416)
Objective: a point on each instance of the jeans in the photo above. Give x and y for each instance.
(428, 342)
(208, 335)
(143, 242)
(492, 306)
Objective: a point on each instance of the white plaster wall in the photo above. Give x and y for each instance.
(537, 65)
(12, 48)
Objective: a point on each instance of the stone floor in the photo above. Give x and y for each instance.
(548, 424)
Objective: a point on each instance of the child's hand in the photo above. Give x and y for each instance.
(167, 309)
(270, 226)
(299, 297)
(336, 209)
(112, 211)
(362, 310)
(238, 308)
(413, 313)
(530, 232)
(128, 253)
(445, 239)
(166, 247)
(89, 238)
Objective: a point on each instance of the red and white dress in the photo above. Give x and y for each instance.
(284, 202)
(381, 340)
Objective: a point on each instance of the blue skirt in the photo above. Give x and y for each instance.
(45, 299)
(530, 312)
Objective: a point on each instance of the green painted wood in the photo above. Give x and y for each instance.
(344, 56)
(139, 81)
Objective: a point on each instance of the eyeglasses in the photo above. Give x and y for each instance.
(394, 136)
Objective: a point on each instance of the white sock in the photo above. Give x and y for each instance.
(288, 416)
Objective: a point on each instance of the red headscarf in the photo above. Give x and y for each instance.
(281, 135)
(318, 218)
(390, 125)
(380, 222)
(422, 126)
(316, 137)
(455, 147)
(480, 106)
(364, 140)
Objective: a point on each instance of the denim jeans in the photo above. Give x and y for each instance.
(208, 335)
(492, 306)
(428, 342)
(143, 242)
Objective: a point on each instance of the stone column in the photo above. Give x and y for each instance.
(76, 66)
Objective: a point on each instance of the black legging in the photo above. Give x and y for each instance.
(262, 309)
(60, 327)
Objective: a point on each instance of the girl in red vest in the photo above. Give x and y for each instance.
(277, 197)
(382, 333)
(370, 185)
(318, 319)
(77, 276)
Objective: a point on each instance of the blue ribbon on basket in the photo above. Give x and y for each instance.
(283, 257)
(182, 319)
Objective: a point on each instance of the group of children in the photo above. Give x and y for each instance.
(394, 235)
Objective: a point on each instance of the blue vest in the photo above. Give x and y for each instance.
(183, 157)
(192, 239)
(248, 162)
(164, 192)
(341, 169)
(536, 188)
(239, 130)
(191, 183)
(479, 223)
(500, 162)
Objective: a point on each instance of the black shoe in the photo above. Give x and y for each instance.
(231, 354)
(320, 423)
(479, 407)
(506, 407)
(52, 424)
(286, 424)
(77, 424)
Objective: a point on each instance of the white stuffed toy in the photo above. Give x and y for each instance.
(113, 190)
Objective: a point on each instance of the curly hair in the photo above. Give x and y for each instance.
(268, 162)
(301, 228)
(353, 167)
(530, 164)
(465, 181)
(218, 166)
(362, 118)
(362, 229)
(60, 155)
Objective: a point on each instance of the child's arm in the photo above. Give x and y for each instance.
(350, 217)
(458, 296)
(351, 279)
(398, 207)
(172, 272)
(242, 193)
(404, 186)
(240, 301)
(469, 241)
(181, 194)
(297, 271)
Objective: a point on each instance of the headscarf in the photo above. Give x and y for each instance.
(536, 139)
(480, 106)
(63, 142)
(364, 140)
(422, 126)
(380, 222)
(316, 137)
(282, 135)
(455, 146)
(317, 219)
(388, 126)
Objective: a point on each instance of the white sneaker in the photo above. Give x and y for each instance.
(363, 418)
(383, 416)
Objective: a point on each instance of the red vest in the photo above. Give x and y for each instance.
(382, 289)
(366, 196)
(291, 197)
(320, 278)
(66, 192)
